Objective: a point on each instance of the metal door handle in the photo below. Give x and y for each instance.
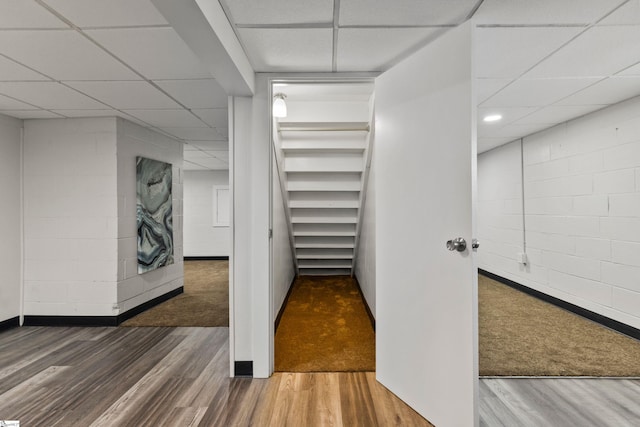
(457, 244)
(475, 244)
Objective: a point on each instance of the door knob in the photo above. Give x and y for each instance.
(475, 244)
(457, 244)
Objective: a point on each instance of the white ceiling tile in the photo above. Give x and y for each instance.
(206, 145)
(112, 13)
(609, 91)
(222, 155)
(509, 52)
(11, 71)
(166, 118)
(211, 163)
(289, 49)
(557, 114)
(486, 144)
(216, 117)
(195, 133)
(195, 154)
(404, 12)
(125, 95)
(488, 87)
(157, 53)
(7, 103)
(188, 166)
(63, 55)
(49, 95)
(197, 93)
(27, 14)
(599, 51)
(343, 91)
(509, 115)
(280, 11)
(537, 92)
(369, 49)
(31, 114)
(524, 12)
(88, 113)
(634, 70)
(628, 14)
(223, 131)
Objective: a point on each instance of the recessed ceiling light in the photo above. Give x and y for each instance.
(492, 118)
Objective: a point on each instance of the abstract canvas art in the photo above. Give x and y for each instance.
(154, 214)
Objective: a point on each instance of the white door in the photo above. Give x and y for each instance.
(426, 297)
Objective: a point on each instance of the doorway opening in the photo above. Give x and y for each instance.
(323, 276)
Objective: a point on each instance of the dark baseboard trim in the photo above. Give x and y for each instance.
(99, 320)
(14, 322)
(70, 320)
(243, 368)
(366, 305)
(284, 304)
(149, 304)
(206, 258)
(588, 314)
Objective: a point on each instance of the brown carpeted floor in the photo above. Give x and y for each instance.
(523, 336)
(324, 328)
(205, 301)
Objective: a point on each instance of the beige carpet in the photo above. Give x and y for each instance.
(325, 328)
(523, 336)
(205, 301)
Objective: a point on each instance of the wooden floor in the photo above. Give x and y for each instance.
(171, 377)
(179, 377)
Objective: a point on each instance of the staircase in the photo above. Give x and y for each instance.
(323, 174)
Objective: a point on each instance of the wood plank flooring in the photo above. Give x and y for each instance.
(172, 377)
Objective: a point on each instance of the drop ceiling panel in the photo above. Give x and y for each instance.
(7, 103)
(599, 51)
(63, 55)
(280, 11)
(543, 11)
(206, 145)
(486, 144)
(609, 91)
(188, 166)
(166, 118)
(31, 114)
(509, 52)
(509, 115)
(515, 131)
(216, 117)
(558, 114)
(634, 70)
(211, 163)
(49, 95)
(112, 13)
(485, 88)
(89, 113)
(289, 49)
(369, 49)
(157, 53)
(27, 14)
(221, 155)
(348, 91)
(11, 71)
(198, 93)
(628, 14)
(126, 94)
(195, 133)
(404, 12)
(537, 93)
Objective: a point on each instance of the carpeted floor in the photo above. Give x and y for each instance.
(205, 301)
(523, 336)
(324, 328)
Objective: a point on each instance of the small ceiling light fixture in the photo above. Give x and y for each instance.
(279, 106)
(492, 118)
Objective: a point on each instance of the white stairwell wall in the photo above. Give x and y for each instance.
(322, 159)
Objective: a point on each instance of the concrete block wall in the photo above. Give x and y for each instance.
(70, 217)
(10, 205)
(134, 289)
(200, 237)
(582, 212)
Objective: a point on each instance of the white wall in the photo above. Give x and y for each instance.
(11, 241)
(134, 289)
(365, 270)
(70, 217)
(582, 205)
(201, 238)
(283, 266)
